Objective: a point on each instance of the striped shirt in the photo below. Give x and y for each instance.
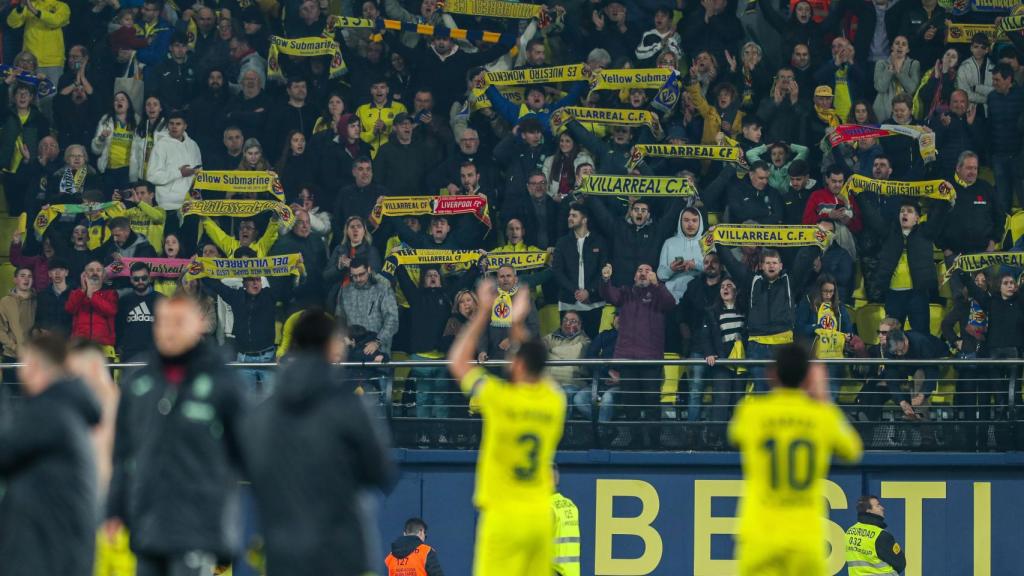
(731, 322)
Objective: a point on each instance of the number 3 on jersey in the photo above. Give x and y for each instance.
(531, 446)
(798, 456)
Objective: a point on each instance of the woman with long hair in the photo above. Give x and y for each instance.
(253, 159)
(937, 86)
(822, 320)
(112, 143)
(334, 107)
(723, 335)
(296, 165)
(153, 122)
(862, 113)
(899, 74)
(357, 242)
(560, 167)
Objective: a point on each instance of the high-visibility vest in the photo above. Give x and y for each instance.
(415, 564)
(861, 557)
(567, 536)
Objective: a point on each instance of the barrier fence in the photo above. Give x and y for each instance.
(951, 404)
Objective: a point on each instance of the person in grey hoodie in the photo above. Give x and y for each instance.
(367, 301)
(682, 259)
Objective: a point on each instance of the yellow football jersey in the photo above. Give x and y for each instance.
(786, 440)
(522, 427)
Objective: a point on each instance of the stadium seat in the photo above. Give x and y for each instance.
(867, 319)
(946, 388)
(714, 218)
(670, 387)
(1015, 226)
(549, 319)
(6, 277)
(607, 314)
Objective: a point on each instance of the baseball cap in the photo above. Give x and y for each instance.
(402, 117)
(823, 90)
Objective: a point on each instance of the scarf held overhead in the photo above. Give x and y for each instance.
(158, 267)
(434, 205)
(237, 208)
(645, 78)
(610, 116)
(936, 189)
(380, 24)
(218, 268)
(609, 185)
(304, 47)
(548, 74)
(978, 262)
(847, 133)
(239, 182)
(732, 154)
(47, 215)
(764, 235)
(526, 260)
(496, 9)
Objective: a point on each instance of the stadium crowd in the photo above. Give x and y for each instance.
(113, 108)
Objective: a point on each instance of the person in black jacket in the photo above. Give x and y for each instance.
(755, 200)
(411, 545)
(48, 512)
(912, 346)
(772, 297)
(906, 272)
(581, 250)
(174, 79)
(430, 304)
(176, 459)
(51, 314)
(700, 294)
(254, 309)
(637, 238)
(538, 212)
(134, 322)
(974, 224)
(312, 452)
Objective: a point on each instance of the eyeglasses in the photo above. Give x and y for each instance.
(880, 332)
(140, 278)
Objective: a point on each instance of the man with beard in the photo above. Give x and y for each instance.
(317, 443)
(699, 295)
(643, 308)
(48, 513)
(207, 110)
(248, 109)
(135, 314)
(175, 482)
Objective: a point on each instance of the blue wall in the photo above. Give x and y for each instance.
(956, 514)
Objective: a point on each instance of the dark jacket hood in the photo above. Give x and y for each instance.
(73, 393)
(404, 546)
(305, 378)
(873, 519)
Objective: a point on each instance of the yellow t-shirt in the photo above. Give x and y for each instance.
(522, 427)
(786, 441)
(120, 147)
(901, 276)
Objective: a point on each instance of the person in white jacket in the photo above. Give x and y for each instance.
(173, 163)
(975, 73)
(681, 257)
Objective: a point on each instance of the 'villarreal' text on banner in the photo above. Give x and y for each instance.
(609, 185)
(687, 151)
(610, 116)
(238, 208)
(764, 235)
(283, 265)
(436, 205)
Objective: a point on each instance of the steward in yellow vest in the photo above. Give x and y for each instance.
(870, 548)
(567, 534)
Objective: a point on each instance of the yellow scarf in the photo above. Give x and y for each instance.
(828, 116)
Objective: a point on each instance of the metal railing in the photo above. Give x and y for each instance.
(684, 404)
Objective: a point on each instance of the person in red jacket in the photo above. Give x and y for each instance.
(93, 308)
(829, 204)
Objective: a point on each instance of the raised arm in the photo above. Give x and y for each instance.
(463, 350)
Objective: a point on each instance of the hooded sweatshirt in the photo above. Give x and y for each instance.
(406, 546)
(686, 248)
